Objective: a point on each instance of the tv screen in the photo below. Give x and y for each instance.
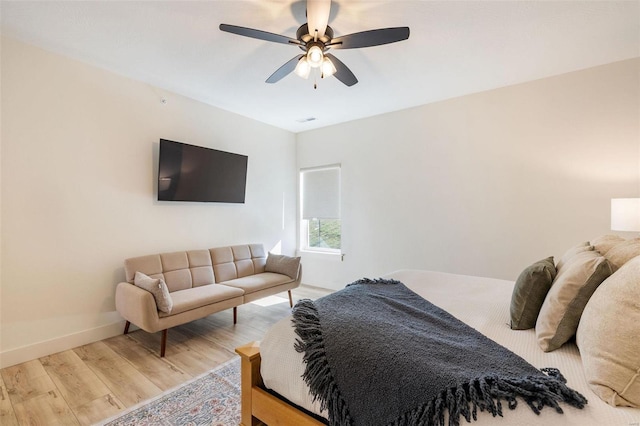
(194, 173)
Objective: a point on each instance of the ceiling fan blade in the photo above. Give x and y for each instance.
(284, 70)
(318, 16)
(370, 38)
(259, 34)
(343, 73)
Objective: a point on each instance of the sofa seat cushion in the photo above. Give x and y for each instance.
(258, 282)
(192, 298)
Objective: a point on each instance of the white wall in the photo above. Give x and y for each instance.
(483, 184)
(79, 157)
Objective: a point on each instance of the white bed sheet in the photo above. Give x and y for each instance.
(482, 303)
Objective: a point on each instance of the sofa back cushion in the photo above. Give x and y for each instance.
(175, 268)
(201, 267)
(180, 270)
(240, 261)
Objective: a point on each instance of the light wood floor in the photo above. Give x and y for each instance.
(90, 383)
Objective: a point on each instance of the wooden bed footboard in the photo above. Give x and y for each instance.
(260, 407)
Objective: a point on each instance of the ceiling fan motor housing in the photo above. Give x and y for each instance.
(304, 35)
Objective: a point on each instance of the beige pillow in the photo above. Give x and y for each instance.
(158, 288)
(606, 242)
(569, 294)
(580, 248)
(609, 337)
(281, 264)
(529, 292)
(622, 252)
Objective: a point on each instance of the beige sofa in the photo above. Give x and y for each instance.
(200, 283)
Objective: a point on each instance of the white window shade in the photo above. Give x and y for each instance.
(321, 193)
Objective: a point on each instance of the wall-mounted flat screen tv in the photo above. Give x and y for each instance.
(194, 173)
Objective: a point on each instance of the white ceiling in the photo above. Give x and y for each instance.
(455, 48)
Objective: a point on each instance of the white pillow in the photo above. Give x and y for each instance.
(609, 337)
(562, 308)
(606, 242)
(158, 288)
(622, 252)
(570, 253)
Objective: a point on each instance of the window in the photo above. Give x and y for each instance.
(320, 227)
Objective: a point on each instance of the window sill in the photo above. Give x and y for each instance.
(327, 255)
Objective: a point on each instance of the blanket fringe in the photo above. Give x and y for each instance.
(483, 393)
(317, 374)
(487, 393)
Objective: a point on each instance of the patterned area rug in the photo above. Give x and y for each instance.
(212, 399)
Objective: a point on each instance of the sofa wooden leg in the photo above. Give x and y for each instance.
(126, 327)
(235, 315)
(163, 342)
(290, 298)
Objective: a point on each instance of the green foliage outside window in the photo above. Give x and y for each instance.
(324, 233)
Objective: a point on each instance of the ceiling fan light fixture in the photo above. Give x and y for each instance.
(303, 68)
(314, 38)
(328, 69)
(315, 56)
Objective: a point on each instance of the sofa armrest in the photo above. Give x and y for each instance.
(299, 277)
(137, 306)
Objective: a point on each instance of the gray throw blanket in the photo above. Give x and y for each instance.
(376, 353)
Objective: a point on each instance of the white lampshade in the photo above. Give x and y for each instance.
(303, 68)
(625, 214)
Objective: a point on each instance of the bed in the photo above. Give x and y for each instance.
(273, 391)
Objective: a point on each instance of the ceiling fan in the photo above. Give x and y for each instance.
(316, 38)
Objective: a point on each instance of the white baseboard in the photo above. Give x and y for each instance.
(70, 341)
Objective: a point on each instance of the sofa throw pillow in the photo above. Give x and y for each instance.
(281, 264)
(529, 292)
(158, 288)
(622, 252)
(606, 242)
(569, 294)
(609, 337)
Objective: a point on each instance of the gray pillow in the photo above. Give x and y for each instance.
(281, 264)
(158, 288)
(569, 294)
(529, 292)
